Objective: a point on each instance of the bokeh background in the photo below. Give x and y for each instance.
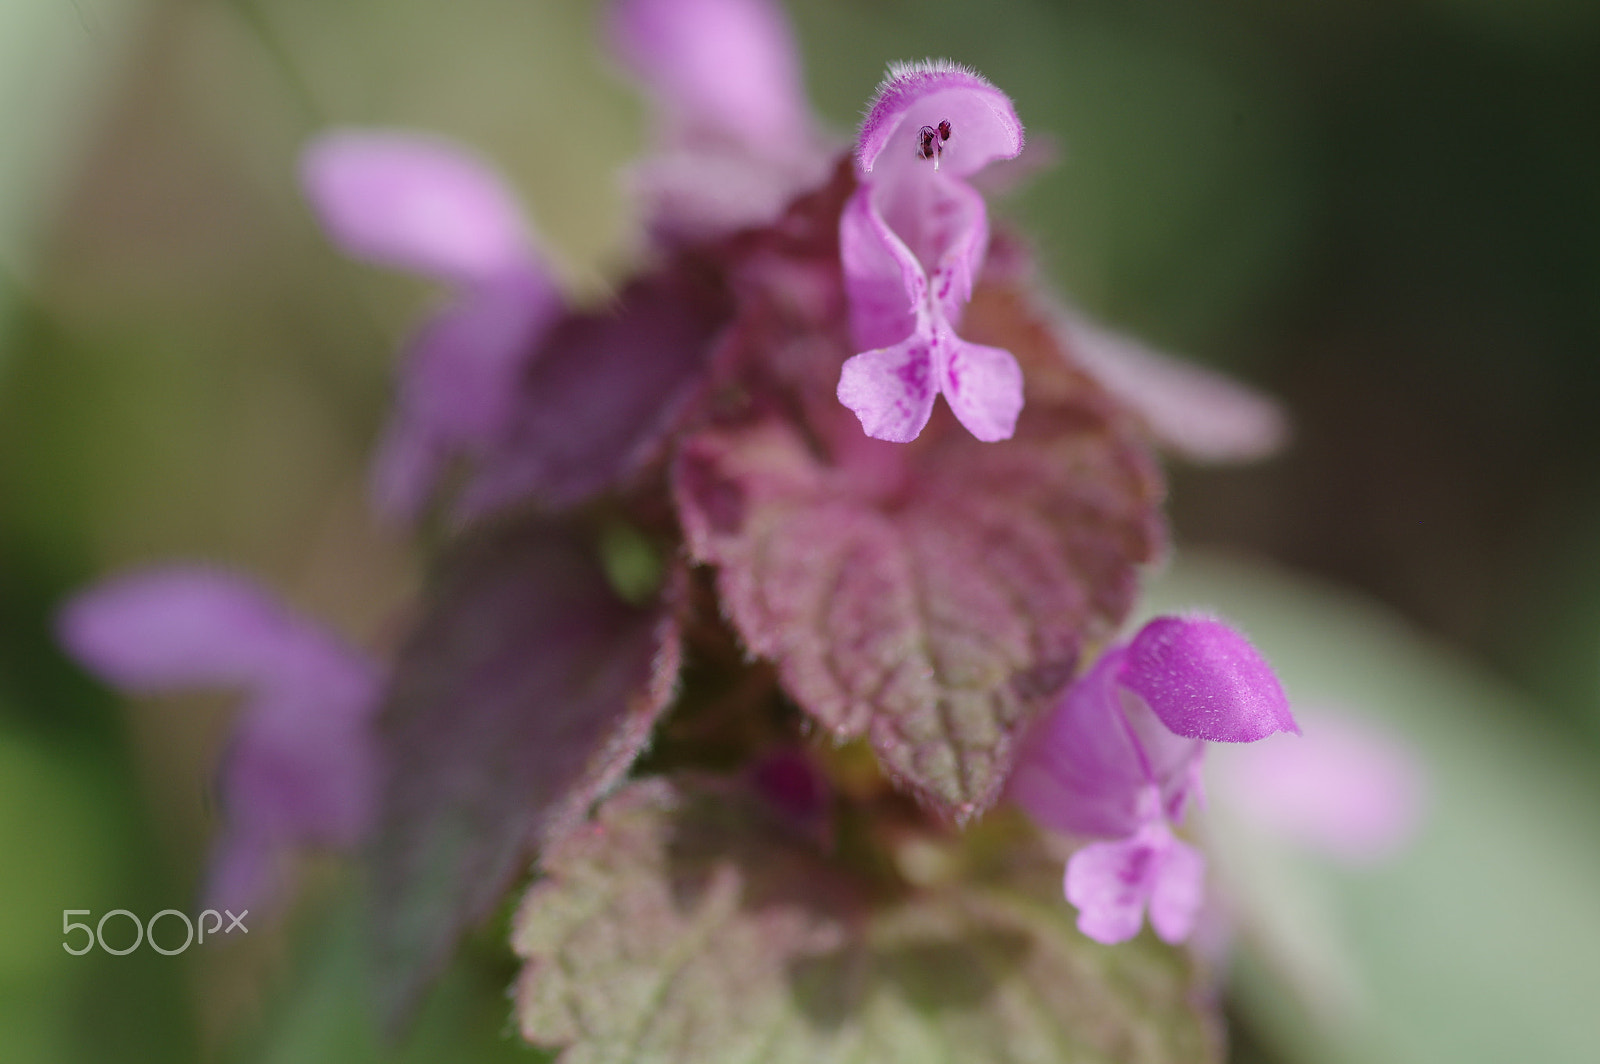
(1386, 213)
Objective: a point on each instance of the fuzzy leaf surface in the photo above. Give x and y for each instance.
(684, 928)
(930, 596)
(525, 692)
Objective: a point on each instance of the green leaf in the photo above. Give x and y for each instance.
(686, 926)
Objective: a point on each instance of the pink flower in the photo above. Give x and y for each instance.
(419, 203)
(912, 240)
(1119, 758)
(734, 138)
(300, 768)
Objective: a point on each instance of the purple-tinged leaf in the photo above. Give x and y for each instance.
(685, 927)
(930, 596)
(600, 396)
(526, 691)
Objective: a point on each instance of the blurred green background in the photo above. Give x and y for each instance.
(1387, 213)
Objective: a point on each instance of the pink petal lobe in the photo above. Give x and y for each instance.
(983, 123)
(1205, 681)
(417, 203)
(983, 386)
(180, 627)
(1179, 892)
(1109, 884)
(726, 66)
(891, 389)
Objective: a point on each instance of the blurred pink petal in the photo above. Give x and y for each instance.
(1179, 893)
(417, 203)
(299, 768)
(689, 194)
(1346, 788)
(1197, 413)
(420, 203)
(734, 139)
(724, 65)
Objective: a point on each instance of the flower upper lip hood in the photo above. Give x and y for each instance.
(984, 124)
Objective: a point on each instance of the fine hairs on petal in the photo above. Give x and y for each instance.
(905, 77)
(903, 83)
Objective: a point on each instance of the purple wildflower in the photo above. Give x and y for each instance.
(421, 204)
(299, 769)
(735, 140)
(912, 241)
(1119, 759)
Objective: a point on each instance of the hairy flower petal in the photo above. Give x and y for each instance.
(984, 124)
(1205, 681)
(912, 240)
(417, 203)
